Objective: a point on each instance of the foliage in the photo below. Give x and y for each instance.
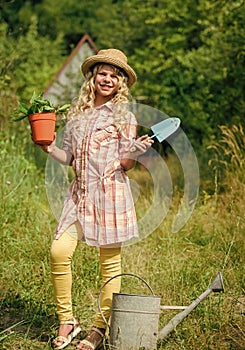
(179, 267)
(26, 64)
(190, 67)
(189, 56)
(230, 153)
(38, 105)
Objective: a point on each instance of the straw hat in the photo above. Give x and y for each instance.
(111, 56)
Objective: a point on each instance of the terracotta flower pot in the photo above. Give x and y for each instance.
(42, 127)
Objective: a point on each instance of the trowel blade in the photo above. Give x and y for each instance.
(165, 128)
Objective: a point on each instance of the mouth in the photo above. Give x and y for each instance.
(106, 86)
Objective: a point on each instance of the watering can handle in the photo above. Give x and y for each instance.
(119, 275)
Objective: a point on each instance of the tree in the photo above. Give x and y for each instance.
(27, 64)
(189, 55)
(192, 66)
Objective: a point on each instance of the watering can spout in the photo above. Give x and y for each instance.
(217, 285)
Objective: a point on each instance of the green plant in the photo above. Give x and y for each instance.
(230, 154)
(38, 105)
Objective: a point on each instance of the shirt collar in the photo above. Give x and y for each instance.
(107, 105)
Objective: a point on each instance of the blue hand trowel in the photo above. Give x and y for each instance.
(165, 128)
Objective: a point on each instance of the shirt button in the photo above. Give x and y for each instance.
(132, 149)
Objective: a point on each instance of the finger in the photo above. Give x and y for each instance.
(143, 138)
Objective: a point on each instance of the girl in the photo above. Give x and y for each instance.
(100, 144)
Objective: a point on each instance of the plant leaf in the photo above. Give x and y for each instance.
(64, 108)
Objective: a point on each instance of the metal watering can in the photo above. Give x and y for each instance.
(134, 318)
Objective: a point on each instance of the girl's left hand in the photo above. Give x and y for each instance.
(146, 140)
(141, 145)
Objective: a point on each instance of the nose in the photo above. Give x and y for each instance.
(107, 78)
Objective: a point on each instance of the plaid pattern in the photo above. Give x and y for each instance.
(99, 197)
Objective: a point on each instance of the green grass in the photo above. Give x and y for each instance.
(179, 267)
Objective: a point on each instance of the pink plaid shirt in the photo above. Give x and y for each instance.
(99, 198)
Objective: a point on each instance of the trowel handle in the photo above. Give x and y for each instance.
(151, 137)
(116, 276)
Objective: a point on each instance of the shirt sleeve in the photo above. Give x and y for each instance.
(127, 135)
(67, 140)
(129, 146)
(67, 143)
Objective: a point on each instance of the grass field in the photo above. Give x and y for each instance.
(179, 267)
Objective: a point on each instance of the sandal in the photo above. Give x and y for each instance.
(93, 340)
(60, 342)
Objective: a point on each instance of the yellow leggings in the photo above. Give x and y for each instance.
(61, 255)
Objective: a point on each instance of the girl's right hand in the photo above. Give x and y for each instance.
(48, 148)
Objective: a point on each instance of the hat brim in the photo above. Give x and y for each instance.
(91, 61)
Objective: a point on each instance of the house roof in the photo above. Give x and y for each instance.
(84, 48)
(75, 51)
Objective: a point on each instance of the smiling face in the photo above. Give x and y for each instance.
(106, 84)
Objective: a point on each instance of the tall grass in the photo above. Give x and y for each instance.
(179, 267)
